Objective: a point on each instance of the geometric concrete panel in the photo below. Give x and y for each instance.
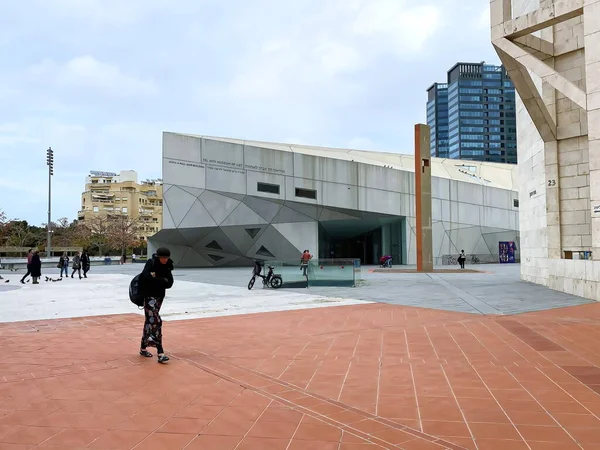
(312, 211)
(243, 215)
(216, 242)
(232, 195)
(241, 238)
(194, 191)
(301, 235)
(194, 259)
(179, 203)
(332, 214)
(166, 187)
(218, 206)
(272, 242)
(170, 235)
(263, 207)
(167, 221)
(288, 215)
(193, 235)
(197, 217)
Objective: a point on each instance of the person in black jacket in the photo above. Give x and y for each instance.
(85, 263)
(155, 279)
(36, 267)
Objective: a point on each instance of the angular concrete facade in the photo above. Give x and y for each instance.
(551, 49)
(229, 201)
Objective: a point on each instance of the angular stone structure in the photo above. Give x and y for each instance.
(228, 201)
(551, 49)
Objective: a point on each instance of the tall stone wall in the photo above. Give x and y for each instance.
(559, 189)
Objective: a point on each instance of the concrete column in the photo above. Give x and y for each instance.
(591, 27)
(423, 199)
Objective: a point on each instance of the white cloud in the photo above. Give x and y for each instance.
(89, 73)
(406, 27)
(335, 57)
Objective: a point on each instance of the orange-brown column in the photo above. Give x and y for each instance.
(423, 199)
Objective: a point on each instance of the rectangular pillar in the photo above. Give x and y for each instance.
(423, 199)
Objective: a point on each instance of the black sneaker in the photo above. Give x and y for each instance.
(163, 359)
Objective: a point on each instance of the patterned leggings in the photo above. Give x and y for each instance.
(153, 324)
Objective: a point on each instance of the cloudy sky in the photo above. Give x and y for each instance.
(99, 80)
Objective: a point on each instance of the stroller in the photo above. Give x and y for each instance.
(386, 261)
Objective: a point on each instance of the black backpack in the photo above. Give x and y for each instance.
(135, 295)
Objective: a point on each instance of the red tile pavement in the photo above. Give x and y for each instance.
(341, 378)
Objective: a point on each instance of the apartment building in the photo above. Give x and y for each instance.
(108, 193)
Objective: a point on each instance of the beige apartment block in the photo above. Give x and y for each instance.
(110, 194)
(551, 49)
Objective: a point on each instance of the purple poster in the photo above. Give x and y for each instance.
(506, 252)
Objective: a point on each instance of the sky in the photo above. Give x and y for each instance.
(100, 80)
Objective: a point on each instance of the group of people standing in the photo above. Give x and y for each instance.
(80, 261)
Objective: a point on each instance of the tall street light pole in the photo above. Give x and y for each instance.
(50, 163)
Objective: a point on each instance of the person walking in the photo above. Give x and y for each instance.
(29, 257)
(462, 258)
(155, 279)
(85, 263)
(76, 265)
(36, 267)
(304, 259)
(63, 265)
(133, 256)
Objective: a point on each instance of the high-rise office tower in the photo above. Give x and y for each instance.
(472, 116)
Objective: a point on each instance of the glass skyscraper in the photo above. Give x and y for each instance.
(472, 116)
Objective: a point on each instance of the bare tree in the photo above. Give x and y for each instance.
(123, 232)
(93, 233)
(64, 232)
(20, 234)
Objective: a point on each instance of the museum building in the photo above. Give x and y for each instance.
(228, 202)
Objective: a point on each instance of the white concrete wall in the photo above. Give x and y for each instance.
(460, 209)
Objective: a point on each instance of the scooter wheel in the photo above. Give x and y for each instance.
(276, 282)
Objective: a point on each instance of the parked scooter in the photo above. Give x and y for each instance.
(270, 279)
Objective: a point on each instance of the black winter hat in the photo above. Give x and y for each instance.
(163, 252)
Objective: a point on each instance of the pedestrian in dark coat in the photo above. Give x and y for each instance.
(155, 279)
(36, 267)
(85, 263)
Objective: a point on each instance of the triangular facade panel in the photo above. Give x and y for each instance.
(179, 203)
(197, 216)
(312, 211)
(193, 259)
(332, 214)
(288, 215)
(167, 220)
(219, 206)
(194, 191)
(216, 241)
(243, 215)
(263, 207)
(241, 238)
(193, 235)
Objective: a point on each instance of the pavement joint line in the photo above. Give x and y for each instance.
(307, 410)
(476, 303)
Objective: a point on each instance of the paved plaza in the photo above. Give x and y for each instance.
(405, 361)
